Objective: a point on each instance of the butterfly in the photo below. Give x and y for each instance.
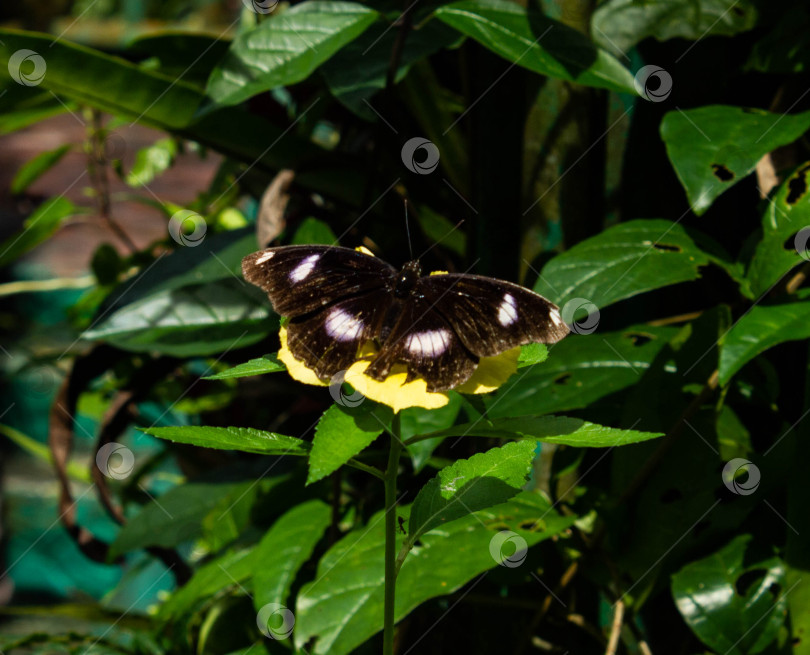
(440, 325)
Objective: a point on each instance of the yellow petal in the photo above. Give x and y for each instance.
(394, 391)
(365, 251)
(297, 369)
(492, 372)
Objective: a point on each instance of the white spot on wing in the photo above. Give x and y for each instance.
(304, 268)
(265, 257)
(342, 326)
(507, 311)
(555, 317)
(431, 343)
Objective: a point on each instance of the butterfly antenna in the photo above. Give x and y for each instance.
(408, 229)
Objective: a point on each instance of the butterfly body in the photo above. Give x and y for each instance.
(338, 299)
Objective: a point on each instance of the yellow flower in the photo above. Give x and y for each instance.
(490, 374)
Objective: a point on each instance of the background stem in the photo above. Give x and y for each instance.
(391, 536)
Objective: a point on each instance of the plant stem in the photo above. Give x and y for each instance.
(391, 536)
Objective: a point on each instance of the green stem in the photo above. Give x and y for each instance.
(391, 536)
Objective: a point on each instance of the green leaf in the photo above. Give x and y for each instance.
(784, 233)
(440, 230)
(219, 574)
(724, 616)
(38, 227)
(785, 47)
(531, 354)
(623, 261)
(469, 485)
(33, 169)
(183, 55)
(258, 366)
(536, 42)
(194, 320)
(343, 432)
(623, 23)
(42, 452)
(762, 328)
(174, 517)
(549, 429)
(582, 370)
(285, 548)
(247, 440)
(360, 69)
(286, 47)
(151, 162)
(713, 147)
(313, 230)
(416, 420)
(343, 606)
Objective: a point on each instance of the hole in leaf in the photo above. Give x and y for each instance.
(748, 579)
(797, 185)
(666, 248)
(671, 495)
(562, 379)
(639, 338)
(498, 526)
(533, 525)
(722, 173)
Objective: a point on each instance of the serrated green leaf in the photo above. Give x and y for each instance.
(34, 168)
(536, 42)
(343, 432)
(151, 162)
(258, 366)
(725, 617)
(761, 328)
(712, 148)
(784, 233)
(623, 261)
(623, 23)
(245, 439)
(38, 227)
(469, 485)
(531, 354)
(343, 606)
(286, 48)
(285, 548)
(582, 370)
(549, 429)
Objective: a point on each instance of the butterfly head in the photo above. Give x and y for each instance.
(407, 278)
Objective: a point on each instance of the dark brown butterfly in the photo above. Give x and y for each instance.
(438, 325)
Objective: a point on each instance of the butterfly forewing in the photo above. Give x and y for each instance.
(302, 279)
(491, 316)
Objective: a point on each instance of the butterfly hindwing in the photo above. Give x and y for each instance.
(491, 316)
(327, 340)
(424, 340)
(302, 279)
